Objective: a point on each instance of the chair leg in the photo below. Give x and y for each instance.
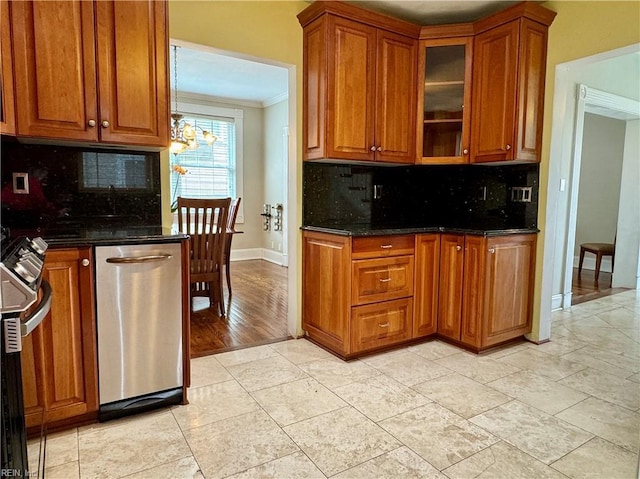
(581, 260)
(226, 267)
(598, 261)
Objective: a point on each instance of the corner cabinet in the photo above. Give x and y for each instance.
(92, 71)
(509, 65)
(486, 288)
(358, 85)
(7, 105)
(59, 365)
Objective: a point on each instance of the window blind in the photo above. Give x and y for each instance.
(211, 169)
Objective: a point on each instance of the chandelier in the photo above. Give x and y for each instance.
(184, 135)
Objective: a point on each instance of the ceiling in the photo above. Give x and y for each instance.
(204, 72)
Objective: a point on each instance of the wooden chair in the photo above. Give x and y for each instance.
(231, 224)
(600, 250)
(205, 221)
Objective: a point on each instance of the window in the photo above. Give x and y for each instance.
(213, 171)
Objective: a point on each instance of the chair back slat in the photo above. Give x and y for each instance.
(205, 221)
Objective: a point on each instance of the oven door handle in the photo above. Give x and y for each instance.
(40, 312)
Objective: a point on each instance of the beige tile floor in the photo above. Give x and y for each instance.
(569, 408)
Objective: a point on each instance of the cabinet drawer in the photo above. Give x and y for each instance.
(380, 324)
(381, 246)
(381, 279)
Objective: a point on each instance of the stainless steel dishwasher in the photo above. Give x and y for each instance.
(139, 318)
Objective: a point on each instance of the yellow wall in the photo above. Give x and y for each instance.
(580, 29)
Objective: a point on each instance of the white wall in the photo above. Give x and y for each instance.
(627, 267)
(599, 190)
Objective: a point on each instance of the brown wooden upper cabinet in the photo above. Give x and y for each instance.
(359, 85)
(509, 65)
(444, 95)
(7, 105)
(92, 71)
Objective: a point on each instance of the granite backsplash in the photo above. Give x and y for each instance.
(454, 196)
(71, 188)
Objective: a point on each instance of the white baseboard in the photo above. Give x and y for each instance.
(590, 263)
(556, 302)
(258, 253)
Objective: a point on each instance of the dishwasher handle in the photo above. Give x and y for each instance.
(139, 259)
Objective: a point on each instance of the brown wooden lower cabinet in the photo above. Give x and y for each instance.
(486, 288)
(367, 293)
(59, 365)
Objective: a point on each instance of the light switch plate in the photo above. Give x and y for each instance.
(21, 183)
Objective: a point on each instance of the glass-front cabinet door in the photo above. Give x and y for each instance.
(445, 94)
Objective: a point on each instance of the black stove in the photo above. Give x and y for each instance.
(25, 300)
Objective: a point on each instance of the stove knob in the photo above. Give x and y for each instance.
(39, 245)
(24, 273)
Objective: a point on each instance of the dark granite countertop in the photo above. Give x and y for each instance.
(367, 230)
(57, 238)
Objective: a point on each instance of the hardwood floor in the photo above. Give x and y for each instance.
(585, 288)
(256, 312)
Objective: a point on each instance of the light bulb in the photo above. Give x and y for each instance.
(189, 132)
(209, 137)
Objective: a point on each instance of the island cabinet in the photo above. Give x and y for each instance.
(359, 76)
(509, 65)
(92, 71)
(486, 288)
(7, 105)
(357, 292)
(59, 365)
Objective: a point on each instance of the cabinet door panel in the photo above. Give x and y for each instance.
(473, 287)
(54, 64)
(314, 93)
(380, 324)
(532, 60)
(426, 289)
(509, 283)
(396, 73)
(494, 84)
(450, 294)
(7, 105)
(382, 279)
(351, 90)
(326, 287)
(33, 381)
(132, 72)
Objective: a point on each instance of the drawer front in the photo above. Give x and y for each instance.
(381, 279)
(381, 324)
(382, 246)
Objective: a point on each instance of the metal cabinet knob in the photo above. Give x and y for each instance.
(379, 148)
(105, 124)
(508, 147)
(85, 262)
(492, 250)
(91, 123)
(465, 151)
(373, 148)
(458, 248)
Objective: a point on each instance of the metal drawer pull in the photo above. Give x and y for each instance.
(386, 246)
(383, 325)
(492, 250)
(458, 248)
(385, 280)
(140, 259)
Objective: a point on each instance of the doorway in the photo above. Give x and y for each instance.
(260, 95)
(570, 104)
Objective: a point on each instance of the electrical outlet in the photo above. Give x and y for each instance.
(521, 194)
